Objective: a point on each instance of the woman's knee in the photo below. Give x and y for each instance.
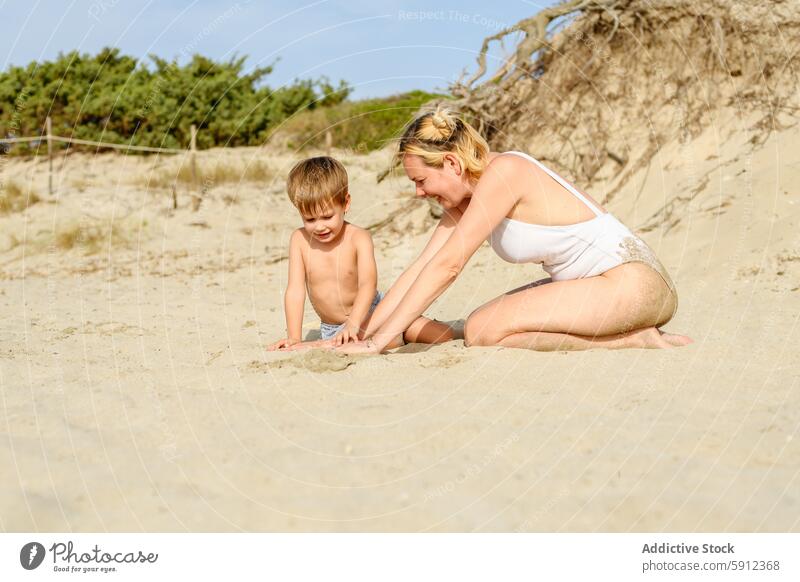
(477, 331)
(668, 310)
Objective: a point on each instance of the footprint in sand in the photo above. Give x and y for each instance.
(446, 361)
(319, 361)
(107, 328)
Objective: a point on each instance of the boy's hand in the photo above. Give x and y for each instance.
(349, 333)
(282, 344)
(328, 343)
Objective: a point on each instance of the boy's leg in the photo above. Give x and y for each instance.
(425, 331)
(396, 343)
(430, 331)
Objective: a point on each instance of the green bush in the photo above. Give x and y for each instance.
(359, 125)
(116, 98)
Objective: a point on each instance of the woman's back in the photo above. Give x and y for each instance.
(545, 198)
(590, 245)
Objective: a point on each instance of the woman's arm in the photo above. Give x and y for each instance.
(394, 295)
(491, 201)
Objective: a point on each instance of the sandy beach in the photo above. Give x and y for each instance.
(137, 394)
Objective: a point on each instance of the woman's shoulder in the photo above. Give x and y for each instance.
(501, 164)
(504, 168)
(510, 159)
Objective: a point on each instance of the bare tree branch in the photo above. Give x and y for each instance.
(535, 37)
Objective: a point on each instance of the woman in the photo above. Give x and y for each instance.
(606, 288)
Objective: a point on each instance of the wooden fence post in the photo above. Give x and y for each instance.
(49, 126)
(192, 160)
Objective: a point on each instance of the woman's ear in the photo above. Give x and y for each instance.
(453, 163)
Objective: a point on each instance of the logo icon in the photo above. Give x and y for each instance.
(31, 555)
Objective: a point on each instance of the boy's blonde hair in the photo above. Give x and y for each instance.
(437, 133)
(315, 184)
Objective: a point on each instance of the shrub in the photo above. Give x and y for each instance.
(116, 98)
(360, 125)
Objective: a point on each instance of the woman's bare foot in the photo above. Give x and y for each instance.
(653, 338)
(676, 340)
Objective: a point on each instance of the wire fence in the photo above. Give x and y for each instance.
(49, 138)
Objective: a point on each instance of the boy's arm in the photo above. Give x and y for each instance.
(295, 297)
(367, 279)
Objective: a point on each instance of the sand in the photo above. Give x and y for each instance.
(137, 394)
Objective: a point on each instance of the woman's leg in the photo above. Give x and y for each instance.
(550, 342)
(617, 309)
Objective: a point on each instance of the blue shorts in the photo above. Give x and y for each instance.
(329, 330)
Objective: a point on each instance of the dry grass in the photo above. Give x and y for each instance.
(15, 198)
(90, 238)
(80, 184)
(13, 242)
(210, 174)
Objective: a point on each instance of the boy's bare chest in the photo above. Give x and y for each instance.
(339, 263)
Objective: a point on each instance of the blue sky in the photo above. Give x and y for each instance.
(379, 47)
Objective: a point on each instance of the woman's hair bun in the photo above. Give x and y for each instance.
(443, 124)
(436, 132)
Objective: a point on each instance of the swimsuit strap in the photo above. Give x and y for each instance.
(560, 180)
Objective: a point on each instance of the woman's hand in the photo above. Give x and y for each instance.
(363, 347)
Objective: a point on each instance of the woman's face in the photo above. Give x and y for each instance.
(448, 185)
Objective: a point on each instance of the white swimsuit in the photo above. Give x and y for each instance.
(573, 251)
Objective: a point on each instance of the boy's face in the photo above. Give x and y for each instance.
(326, 224)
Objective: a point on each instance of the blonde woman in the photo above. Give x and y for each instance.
(606, 288)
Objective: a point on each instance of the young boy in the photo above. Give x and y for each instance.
(335, 262)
